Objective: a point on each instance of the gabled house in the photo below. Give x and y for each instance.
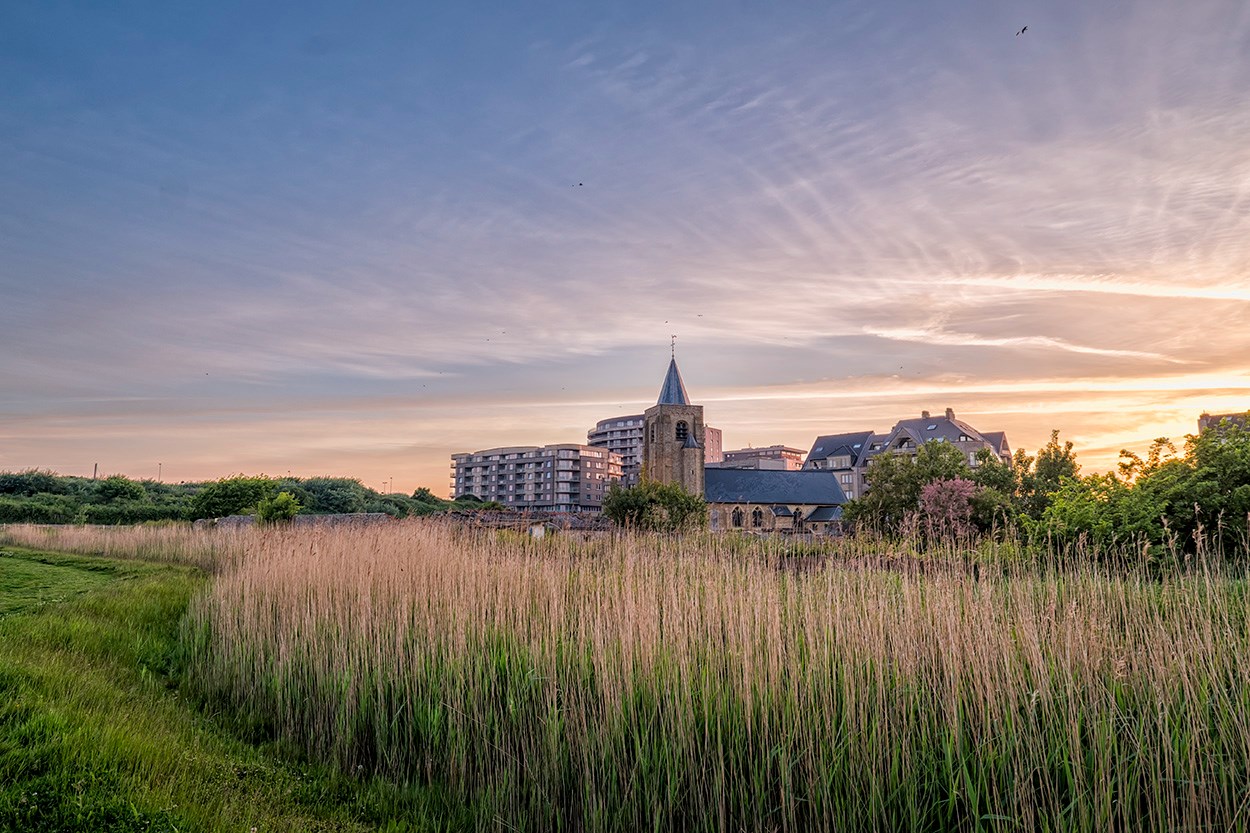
(847, 456)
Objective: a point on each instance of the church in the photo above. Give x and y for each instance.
(673, 451)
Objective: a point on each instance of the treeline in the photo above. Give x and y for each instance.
(1167, 502)
(48, 498)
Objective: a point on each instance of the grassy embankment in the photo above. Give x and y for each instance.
(705, 683)
(94, 735)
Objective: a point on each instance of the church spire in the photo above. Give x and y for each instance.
(674, 390)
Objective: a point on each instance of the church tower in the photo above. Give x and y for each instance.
(672, 440)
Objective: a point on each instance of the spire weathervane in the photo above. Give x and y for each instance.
(672, 346)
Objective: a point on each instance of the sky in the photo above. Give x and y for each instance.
(352, 239)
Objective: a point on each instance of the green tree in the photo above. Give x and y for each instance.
(280, 508)
(662, 507)
(1104, 511)
(1053, 465)
(895, 481)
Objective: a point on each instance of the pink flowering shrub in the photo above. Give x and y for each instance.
(946, 508)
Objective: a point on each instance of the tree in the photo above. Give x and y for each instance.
(1104, 511)
(280, 508)
(663, 507)
(1053, 465)
(895, 481)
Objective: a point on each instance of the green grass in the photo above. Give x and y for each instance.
(27, 585)
(96, 736)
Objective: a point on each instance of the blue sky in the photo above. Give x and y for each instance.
(333, 239)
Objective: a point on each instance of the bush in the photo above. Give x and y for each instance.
(231, 496)
(664, 507)
(277, 509)
(40, 509)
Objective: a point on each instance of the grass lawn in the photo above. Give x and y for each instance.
(95, 735)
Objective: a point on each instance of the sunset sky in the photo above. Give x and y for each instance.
(350, 239)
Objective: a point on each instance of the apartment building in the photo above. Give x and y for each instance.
(565, 477)
(770, 457)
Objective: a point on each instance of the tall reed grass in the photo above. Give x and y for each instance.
(713, 683)
(172, 543)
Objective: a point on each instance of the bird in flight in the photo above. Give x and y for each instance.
(1022, 31)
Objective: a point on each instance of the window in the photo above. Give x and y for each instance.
(737, 516)
(683, 431)
(757, 517)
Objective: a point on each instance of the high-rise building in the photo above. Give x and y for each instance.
(622, 435)
(566, 477)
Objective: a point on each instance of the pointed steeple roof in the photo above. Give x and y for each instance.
(674, 390)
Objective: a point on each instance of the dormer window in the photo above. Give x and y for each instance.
(683, 431)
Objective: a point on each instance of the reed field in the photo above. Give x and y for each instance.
(722, 683)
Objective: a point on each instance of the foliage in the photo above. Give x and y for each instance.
(1042, 476)
(118, 488)
(232, 496)
(946, 508)
(424, 502)
(38, 509)
(895, 481)
(335, 495)
(280, 508)
(47, 498)
(662, 507)
(30, 482)
(1164, 502)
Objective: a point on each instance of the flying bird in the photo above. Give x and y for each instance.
(1022, 31)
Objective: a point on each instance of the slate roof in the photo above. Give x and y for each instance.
(998, 439)
(825, 513)
(851, 444)
(942, 428)
(771, 486)
(674, 390)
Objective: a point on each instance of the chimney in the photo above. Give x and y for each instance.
(924, 414)
(950, 413)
